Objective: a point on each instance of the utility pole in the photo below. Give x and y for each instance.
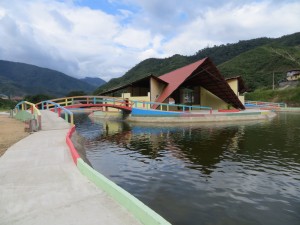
(273, 81)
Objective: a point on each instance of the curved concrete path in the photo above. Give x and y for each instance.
(40, 184)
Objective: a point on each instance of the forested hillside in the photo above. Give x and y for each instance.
(19, 79)
(254, 60)
(94, 81)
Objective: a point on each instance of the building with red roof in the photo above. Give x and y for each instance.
(199, 83)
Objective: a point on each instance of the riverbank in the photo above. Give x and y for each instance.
(11, 131)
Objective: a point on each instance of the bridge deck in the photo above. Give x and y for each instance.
(39, 183)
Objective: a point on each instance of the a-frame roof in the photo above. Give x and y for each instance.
(204, 73)
(201, 73)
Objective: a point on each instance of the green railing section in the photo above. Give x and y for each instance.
(290, 109)
(57, 108)
(26, 111)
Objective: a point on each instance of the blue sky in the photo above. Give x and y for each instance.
(105, 38)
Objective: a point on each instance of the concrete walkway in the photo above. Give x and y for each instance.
(40, 184)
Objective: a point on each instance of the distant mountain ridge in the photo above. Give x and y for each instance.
(94, 81)
(254, 60)
(19, 79)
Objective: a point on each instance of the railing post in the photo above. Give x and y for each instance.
(72, 119)
(66, 117)
(39, 122)
(95, 101)
(66, 101)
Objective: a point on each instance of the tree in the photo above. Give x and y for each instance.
(37, 98)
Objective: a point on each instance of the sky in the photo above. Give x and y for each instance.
(106, 38)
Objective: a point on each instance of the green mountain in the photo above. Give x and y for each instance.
(94, 81)
(19, 79)
(255, 60)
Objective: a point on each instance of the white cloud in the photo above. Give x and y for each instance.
(82, 41)
(233, 23)
(132, 38)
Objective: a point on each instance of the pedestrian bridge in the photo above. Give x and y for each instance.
(101, 102)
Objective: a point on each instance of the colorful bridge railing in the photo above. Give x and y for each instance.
(260, 104)
(121, 103)
(57, 108)
(77, 100)
(26, 111)
(169, 107)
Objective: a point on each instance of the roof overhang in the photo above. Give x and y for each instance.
(141, 82)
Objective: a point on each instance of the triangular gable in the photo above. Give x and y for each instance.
(176, 78)
(210, 78)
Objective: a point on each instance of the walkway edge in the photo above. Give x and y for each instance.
(142, 212)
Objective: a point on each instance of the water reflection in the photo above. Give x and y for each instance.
(246, 173)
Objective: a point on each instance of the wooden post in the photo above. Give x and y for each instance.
(40, 122)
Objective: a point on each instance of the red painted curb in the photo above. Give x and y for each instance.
(73, 150)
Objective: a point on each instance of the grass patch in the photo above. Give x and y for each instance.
(290, 96)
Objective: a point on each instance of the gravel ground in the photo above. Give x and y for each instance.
(11, 131)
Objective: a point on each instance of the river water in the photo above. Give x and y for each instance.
(243, 173)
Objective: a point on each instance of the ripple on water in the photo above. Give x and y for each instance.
(241, 174)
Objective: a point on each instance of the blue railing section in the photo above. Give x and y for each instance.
(58, 108)
(168, 107)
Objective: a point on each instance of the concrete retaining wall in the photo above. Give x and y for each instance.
(151, 116)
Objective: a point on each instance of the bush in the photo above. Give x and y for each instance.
(6, 104)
